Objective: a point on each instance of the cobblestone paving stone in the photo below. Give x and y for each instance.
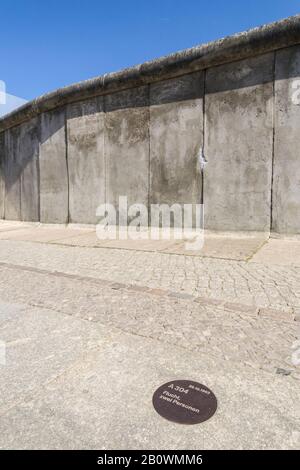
(257, 284)
(238, 337)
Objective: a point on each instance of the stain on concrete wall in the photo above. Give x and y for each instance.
(239, 145)
(54, 192)
(28, 149)
(127, 146)
(286, 179)
(86, 163)
(2, 180)
(12, 173)
(22, 172)
(176, 138)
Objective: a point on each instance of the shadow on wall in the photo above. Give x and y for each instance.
(21, 167)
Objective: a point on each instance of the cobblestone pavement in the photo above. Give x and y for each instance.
(229, 330)
(249, 283)
(77, 319)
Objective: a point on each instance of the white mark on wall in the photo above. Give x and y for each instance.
(296, 92)
(201, 158)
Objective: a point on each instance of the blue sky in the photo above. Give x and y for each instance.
(48, 44)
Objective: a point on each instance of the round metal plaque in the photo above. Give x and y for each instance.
(184, 402)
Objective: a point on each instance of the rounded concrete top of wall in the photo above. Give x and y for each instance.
(260, 40)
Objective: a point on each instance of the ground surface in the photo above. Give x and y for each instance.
(91, 329)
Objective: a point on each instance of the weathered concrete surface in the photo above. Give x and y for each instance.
(86, 161)
(127, 146)
(7, 226)
(2, 178)
(176, 139)
(42, 234)
(29, 159)
(12, 173)
(75, 410)
(53, 168)
(22, 172)
(286, 179)
(238, 145)
(26, 340)
(280, 252)
(224, 247)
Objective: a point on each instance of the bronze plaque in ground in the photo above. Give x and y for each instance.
(184, 402)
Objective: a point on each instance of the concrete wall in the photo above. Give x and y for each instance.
(28, 156)
(176, 138)
(286, 179)
(19, 172)
(239, 144)
(54, 182)
(2, 180)
(86, 162)
(12, 175)
(140, 133)
(127, 146)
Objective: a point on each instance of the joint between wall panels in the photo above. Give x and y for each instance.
(4, 174)
(20, 180)
(39, 170)
(203, 134)
(273, 143)
(149, 161)
(21, 183)
(67, 166)
(104, 150)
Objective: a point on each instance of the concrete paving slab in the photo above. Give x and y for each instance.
(37, 349)
(8, 226)
(222, 247)
(143, 245)
(91, 240)
(276, 251)
(42, 234)
(215, 247)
